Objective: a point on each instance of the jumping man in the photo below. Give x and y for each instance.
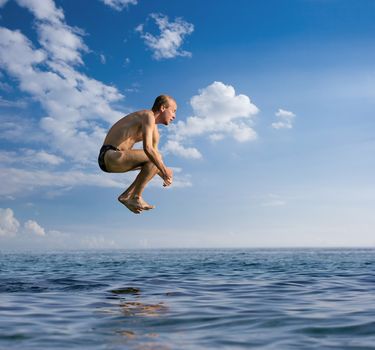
(118, 156)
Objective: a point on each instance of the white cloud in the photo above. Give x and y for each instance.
(47, 158)
(77, 108)
(15, 181)
(216, 137)
(11, 227)
(12, 104)
(62, 42)
(285, 119)
(16, 129)
(103, 59)
(172, 34)
(220, 101)
(3, 2)
(8, 223)
(32, 227)
(174, 147)
(218, 112)
(118, 5)
(76, 105)
(29, 156)
(43, 10)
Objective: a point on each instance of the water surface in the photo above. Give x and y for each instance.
(188, 299)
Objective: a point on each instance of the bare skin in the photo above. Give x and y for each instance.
(133, 128)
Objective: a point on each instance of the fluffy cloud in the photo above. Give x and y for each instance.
(172, 34)
(77, 106)
(8, 223)
(173, 146)
(119, 4)
(32, 227)
(3, 2)
(21, 181)
(285, 119)
(43, 10)
(218, 112)
(17, 129)
(78, 109)
(29, 156)
(10, 226)
(15, 181)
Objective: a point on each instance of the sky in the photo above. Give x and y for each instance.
(273, 144)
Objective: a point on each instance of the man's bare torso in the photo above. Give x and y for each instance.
(128, 131)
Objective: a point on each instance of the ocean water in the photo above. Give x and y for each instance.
(188, 299)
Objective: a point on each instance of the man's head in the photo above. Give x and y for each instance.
(165, 108)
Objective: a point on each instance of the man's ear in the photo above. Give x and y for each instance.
(162, 108)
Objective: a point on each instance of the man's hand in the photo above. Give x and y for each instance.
(168, 178)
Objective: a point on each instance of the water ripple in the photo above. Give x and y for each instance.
(188, 299)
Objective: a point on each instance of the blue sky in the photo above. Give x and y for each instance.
(273, 142)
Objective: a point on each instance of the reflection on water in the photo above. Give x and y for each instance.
(133, 308)
(188, 299)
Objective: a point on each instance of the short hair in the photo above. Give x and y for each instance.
(162, 100)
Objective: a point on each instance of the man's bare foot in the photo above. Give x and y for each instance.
(132, 204)
(143, 204)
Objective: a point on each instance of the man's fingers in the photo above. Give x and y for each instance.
(167, 182)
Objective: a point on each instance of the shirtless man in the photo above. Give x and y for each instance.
(118, 156)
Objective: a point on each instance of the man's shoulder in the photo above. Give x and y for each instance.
(146, 115)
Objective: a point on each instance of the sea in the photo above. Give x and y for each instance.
(188, 299)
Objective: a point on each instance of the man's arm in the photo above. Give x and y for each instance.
(150, 147)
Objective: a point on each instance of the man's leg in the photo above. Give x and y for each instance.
(129, 191)
(118, 161)
(132, 197)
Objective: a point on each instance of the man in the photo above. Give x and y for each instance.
(117, 154)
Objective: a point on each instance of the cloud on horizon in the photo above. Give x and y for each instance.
(31, 235)
(11, 227)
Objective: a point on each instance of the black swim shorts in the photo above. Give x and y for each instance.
(102, 153)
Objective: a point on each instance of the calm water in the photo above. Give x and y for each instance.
(188, 299)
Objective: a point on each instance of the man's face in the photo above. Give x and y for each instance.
(169, 113)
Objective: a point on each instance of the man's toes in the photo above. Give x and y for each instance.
(149, 207)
